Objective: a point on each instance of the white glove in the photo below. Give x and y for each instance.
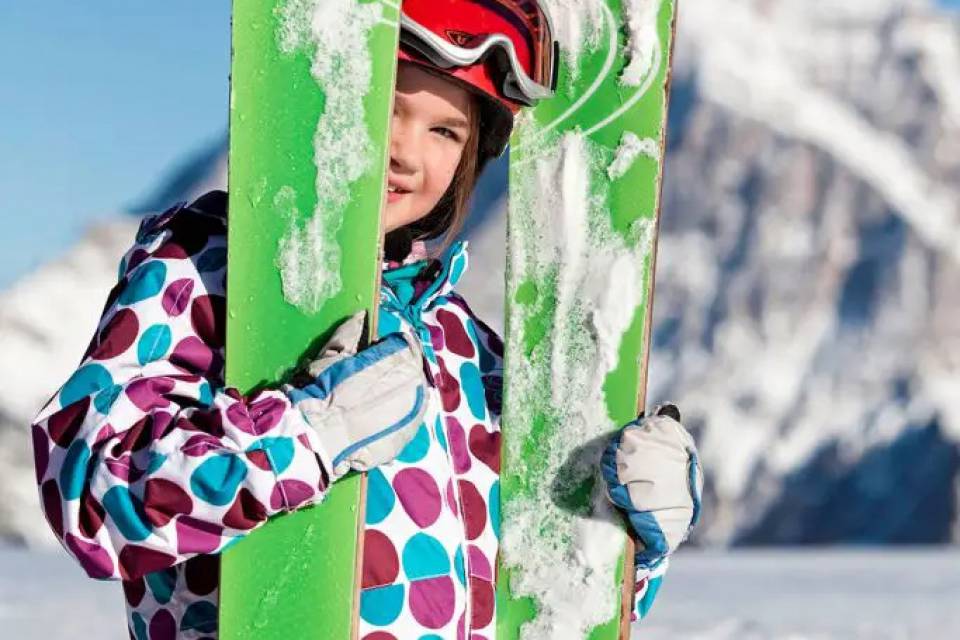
(653, 475)
(365, 406)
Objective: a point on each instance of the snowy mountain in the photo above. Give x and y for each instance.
(808, 280)
(807, 301)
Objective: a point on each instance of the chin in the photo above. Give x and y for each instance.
(396, 219)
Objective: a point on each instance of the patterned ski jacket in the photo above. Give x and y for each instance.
(149, 466)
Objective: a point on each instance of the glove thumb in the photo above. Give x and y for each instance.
(343, 343)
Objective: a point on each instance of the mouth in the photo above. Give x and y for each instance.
(395, 192)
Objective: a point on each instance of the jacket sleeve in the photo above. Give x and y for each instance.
(143, 457)
(646, 590)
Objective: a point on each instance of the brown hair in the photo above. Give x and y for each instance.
(451, 211)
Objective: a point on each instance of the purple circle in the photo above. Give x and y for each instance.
(419, 495)
(432, 601)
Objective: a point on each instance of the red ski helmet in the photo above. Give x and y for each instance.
(503, 50)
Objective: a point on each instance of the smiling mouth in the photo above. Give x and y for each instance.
(395, 189)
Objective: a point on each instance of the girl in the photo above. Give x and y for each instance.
(149, 466)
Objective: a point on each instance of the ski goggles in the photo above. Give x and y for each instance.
(516, 33)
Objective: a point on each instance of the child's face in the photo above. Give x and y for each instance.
(431, 123)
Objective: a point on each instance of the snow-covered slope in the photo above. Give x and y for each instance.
(808, 284)
(717, 595)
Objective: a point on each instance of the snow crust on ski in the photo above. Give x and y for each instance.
(311, 96)
(585, 171)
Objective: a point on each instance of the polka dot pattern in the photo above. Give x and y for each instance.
(87, 380)
(164, 500)
(154, 343)
(382, 605)
(432, 601)
(419, 495)
(176, 297)
(116, 337)
(216, 479)
(63, 425)
(380, 497)
(73, 470)
(424, 557)
(455, 334)
(127, 514)
(473, 389)
(145, 282)
(417, 448)
(381, 564)
(474, 509)
(228, 462)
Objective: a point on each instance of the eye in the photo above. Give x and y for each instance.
(447, 133)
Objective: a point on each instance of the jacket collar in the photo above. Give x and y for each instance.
(418, 285)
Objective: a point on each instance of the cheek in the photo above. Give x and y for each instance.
(441, 166)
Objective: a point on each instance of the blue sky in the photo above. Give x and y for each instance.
(98, 100)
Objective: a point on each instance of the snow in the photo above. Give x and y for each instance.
(334, 35)
(813, 594)
(642, 39)
(630, 148)
(578, 25)
(564, 248)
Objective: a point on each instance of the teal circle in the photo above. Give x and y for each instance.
(156, 461)
(85, 381)
(105, 399)
(458, 566)
(430, 636)
(161, 584)
(127, 513)
(425, 557)
(417, 448)
(441, 436)
(472, 386)
(493, 506)
(206, 394)
(145, 282)
(139, 626)
(382, 605)
(154, 343)
(380, 497)
(200, 616)
(216, 480)
(279, 451)
(73, 470)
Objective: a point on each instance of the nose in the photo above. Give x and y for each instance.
(404, 147)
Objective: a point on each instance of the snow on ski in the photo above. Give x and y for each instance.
(585, 172)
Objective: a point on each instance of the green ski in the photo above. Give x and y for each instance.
(585, 170)
(311, 96)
